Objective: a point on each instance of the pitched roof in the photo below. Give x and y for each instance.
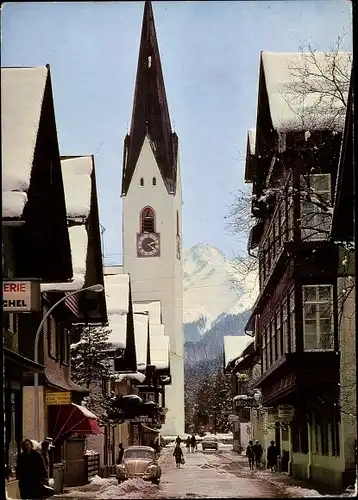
(22, 94)
(234, 346)
(296, 89)
(76, 175)
(150, 115)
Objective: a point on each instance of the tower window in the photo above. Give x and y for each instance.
(154, 181)
(147, 220)
(142, 181)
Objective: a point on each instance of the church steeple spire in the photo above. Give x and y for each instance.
(150, 115)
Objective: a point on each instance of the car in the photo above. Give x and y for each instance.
(139, 461)
(210, 442)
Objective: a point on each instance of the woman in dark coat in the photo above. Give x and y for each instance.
(31, 472)
(178, 454)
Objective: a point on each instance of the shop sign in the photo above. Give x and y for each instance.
(140, 420)
(57, 398)
(286, 411)
(21, 296)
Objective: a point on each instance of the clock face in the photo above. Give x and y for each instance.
(148, 244)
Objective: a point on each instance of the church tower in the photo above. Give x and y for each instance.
(152, 211)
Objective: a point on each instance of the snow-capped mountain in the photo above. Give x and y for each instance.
(209, 291)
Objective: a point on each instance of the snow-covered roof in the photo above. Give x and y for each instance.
(141, 339)
(295, 88)
(76, 175)
(234, 346)
(140, 377)
(153, 309)
(22, 92)
(79, 243)
(85, 411)
(159, 351)
(118, 326)
(251, 133)
(117, 293)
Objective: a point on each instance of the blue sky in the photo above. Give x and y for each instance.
(210, 53)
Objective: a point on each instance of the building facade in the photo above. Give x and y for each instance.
(296, 317)
(152, 211)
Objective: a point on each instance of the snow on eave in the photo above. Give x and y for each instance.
(116, 288)
(85, 411)
(288, 113)
(79, 245)
(153, 308)
(141, 337)
(119, 377)
(117, 324)
(22, 93)
(159, 351)
(77, 182)
(251, 135)
(234, 346)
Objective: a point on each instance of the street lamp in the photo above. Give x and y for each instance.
(94, 288)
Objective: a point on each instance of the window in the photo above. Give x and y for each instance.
(11, 322)
(52, 336)
(290, 218)
(147, 220)
(178, 228)
(141, 181)
(318, 317)
(65, 346)
(268, 346)
(273, 340)
(154, 181)
(315, 219)
(284, 328)
(292, 321)
(278, 334)
(264, 351)
(147, 396)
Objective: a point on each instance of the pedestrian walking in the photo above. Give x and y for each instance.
(178, 440)
(258, 452)
(31, 472)
(193, 443)
(272, 454)
(120, 453)
(250, 454)
(45, 446)
(178, 454)
(187, 443)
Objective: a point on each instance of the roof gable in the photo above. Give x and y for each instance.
(22, 95)
(296, 89)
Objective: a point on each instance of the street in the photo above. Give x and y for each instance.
(208, 474)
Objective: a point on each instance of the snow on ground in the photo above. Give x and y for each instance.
(132, 488)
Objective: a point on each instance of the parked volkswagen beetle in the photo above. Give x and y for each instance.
(139, 461)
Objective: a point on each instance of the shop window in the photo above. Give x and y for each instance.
(147, 220)
(315, 218)
(318, 317)
(147, 396)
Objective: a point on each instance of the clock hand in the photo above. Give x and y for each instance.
(150, 244)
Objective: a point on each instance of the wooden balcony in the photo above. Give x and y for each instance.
(298, 375)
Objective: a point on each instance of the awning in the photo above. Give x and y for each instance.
(72, 418)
